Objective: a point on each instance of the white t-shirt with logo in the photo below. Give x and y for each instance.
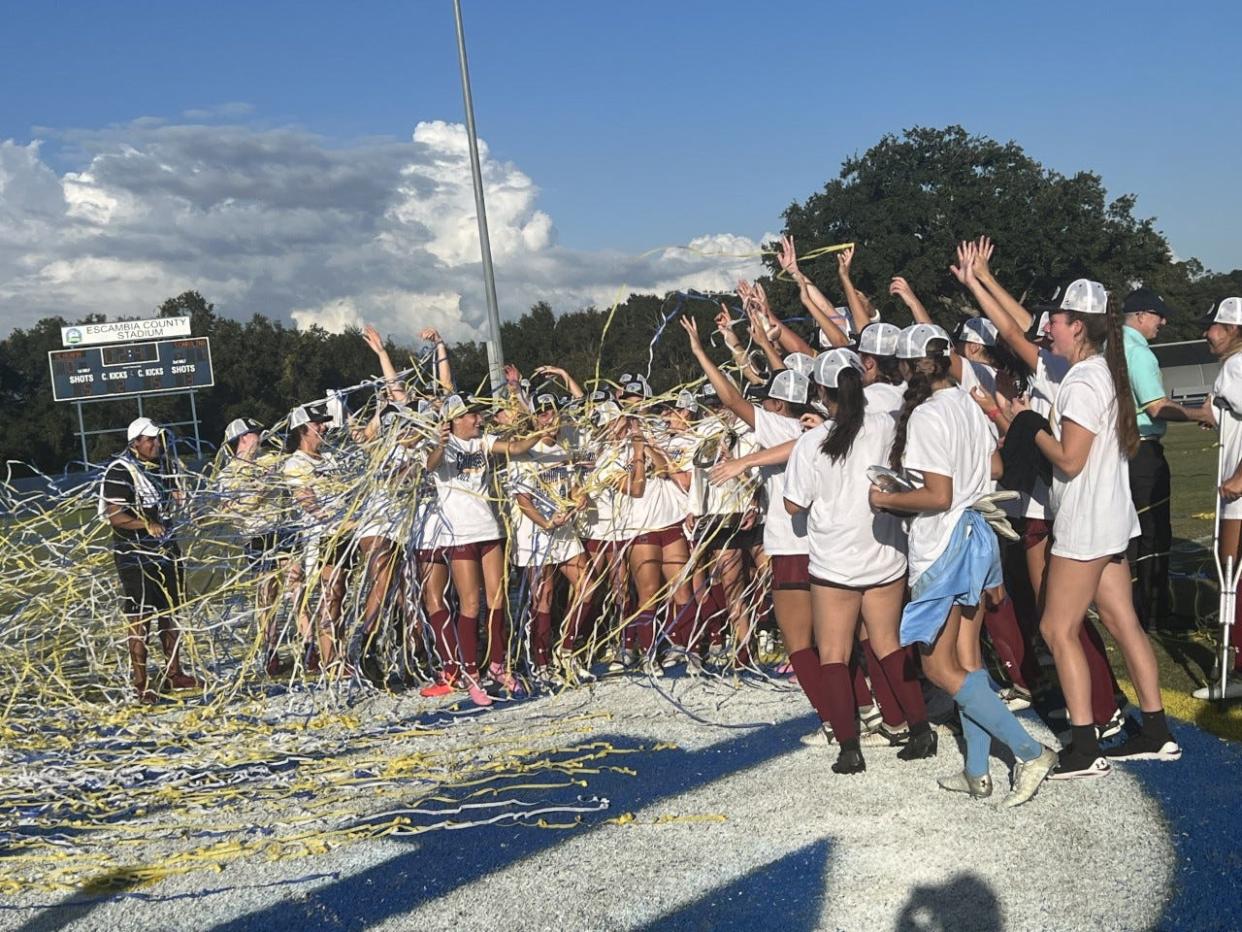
(1228, 388)
(544, 475)
(949, 435)
(728, 498)
(850, 544)
(605, 515)
(463, 513)
(783, 534)
(1093, 515)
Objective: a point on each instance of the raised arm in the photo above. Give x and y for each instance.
(819, 307)
(730, 397)
(983, 274)
(789, 341)
(444, 368)
(901, 288)
(859, 307)
(741, 359)
(759, 335)
(768, 456)
(1007, 328)
(575, 390)
(396, 391)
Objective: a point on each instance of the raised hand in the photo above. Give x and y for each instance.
(985, 401)
(691, 326)
(787, 256)
(512, 375)
(723, 472)
(901, 288)
(963, 271)
(844, 258)
(724, 326)
(431, 335)
(372, 337)
(983, 253)
(761, 329)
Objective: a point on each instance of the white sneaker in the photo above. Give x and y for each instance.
(717, 655)
(1016, 698)
(978, 787)
(1112, 728)
(885, 737)
(821, 737)
(1211, 692)
(869, 720)
(626, 658)
(653, 669)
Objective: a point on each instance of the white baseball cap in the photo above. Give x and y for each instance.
(685, 401)
(1229, 311)
(239, 427)
(606, 412)
(1041, 329)
(1085, 297)
(454, 406)
(788, 385)
(306, 414)
(800, 362)
(977, 330)
(830, 365)
(913, 341)
(141, 427)
(879, 339)
(634, 384)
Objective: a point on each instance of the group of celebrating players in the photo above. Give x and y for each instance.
(887, 499)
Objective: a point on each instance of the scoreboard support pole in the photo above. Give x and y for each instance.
(193, 422)
(82, 432)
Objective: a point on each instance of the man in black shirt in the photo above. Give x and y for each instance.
(134, 499)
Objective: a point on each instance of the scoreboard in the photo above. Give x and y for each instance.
(92, 372)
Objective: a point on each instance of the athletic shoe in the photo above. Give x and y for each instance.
(652, 669)
(504, 679)
(850, 760)
(976, 787)
(1112, 727)
(625, 659)
(886, 737)
(180, 680)
(540, 678)
(821, 737)
(148, 697)
(869, 720)
(1016, 698)
(919, 747)
(275, 666)
(1145, 746)
(478, 695)
(574, 671)
(441, 687)
(675, 657)
(717, 655)
(1073, 766)
(1211, 692)
(1028, 775)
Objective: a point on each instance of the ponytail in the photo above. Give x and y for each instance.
(888, 370)
(1104, 333)
(923, 372)
(851, 406)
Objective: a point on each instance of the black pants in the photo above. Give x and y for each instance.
(1149, 552)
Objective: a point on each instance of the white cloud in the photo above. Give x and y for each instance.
(286, 223)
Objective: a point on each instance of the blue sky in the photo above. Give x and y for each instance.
(643, 123)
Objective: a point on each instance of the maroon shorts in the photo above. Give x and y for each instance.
(607, 547)
(791, 571)
(434, 555)
(661, 538)
(476, 551)
(1034, 532)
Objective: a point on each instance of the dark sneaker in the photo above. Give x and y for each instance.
(919, 747)
(1146, 747)
(850, 760)
(1071, 766)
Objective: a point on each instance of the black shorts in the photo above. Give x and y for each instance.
(151, 584)
(264, 551)
(724, 532)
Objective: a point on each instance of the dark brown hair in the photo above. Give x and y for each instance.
(851, 406)
(926, 370)
(1104, 333)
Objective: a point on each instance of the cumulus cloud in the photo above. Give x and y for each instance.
(286, 223)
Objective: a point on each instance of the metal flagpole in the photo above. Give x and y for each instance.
(495, 355)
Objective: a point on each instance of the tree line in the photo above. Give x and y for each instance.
(905, 202)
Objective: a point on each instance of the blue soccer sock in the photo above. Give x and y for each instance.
(978, 745)
(978, 701)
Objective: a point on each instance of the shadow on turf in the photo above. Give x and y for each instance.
(966, 902)
(82, 902)
(443, 861)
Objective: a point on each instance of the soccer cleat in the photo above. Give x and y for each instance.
(975, 787)
(1112, 727)
(1211, 692)
(180, 680)
(919, 747)
(675, 657)
(821, 737)
(1028, 775)
(850, 760)
(1146, 747)
(1071, 766)
(1016, 698)
(441, 687)
(478, 695)
(886, 737)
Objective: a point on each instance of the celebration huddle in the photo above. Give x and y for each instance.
(724, 487)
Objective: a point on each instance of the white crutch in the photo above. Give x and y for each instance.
(1228, 575)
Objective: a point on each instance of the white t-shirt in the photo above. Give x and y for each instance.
(325, 478)
(1093, 515)
(464, 512)
(1228, 388)
(783, 534)
(977, 374)
(1042, 388)
(543, 474)
(881, 396)
(850, 544)
(729, 498)
(605, 516)
(951, 436)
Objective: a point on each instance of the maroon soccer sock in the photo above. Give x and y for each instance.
(841, 704)
(496, 644)
(1002, 626)
(542, 624)
(468, 641)
(886, 695)
(811, 678)
(858, 682)
(445, 635)
(898, 670)
(1103, 682)
(644, 631)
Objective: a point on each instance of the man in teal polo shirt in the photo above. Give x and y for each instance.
(1146, 313)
